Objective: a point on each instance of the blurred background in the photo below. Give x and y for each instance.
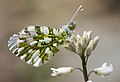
(100, 16)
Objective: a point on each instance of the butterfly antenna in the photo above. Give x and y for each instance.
(77, 12)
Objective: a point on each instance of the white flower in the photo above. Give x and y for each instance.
(61, 71)
(80, 44)
(95, 41)
(104, 70)
(89, 81)
(86, 37)
(78, 48)
(89, 48)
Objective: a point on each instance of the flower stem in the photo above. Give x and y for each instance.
(79, 69)
(84, 69)
(90, 73)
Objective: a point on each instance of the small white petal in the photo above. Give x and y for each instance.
(95, 40)
(79, 37)
(73, 37)
(89, 48)
(83, 42)
(84, 33)
(89, 34)
(78, 48)
(69, 47)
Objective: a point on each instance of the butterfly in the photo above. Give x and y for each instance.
(36, 45)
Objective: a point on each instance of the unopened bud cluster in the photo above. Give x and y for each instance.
(82, 44)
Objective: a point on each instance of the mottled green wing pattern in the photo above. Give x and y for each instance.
(36, 45)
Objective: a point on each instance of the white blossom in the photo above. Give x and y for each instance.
(95, 41)
(61, 71)
(89, 48)
(78, 48)
(80, 44)
(104, 70)
(89, 81)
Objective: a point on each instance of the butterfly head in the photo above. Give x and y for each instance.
(71, 26)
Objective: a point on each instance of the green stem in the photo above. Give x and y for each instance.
(84, 69)
(79, 69)
(90, 73)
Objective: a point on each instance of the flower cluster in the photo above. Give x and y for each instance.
(82, 44)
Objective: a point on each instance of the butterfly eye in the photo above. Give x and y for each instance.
(72, 25)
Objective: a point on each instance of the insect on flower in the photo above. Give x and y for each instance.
(36, 45)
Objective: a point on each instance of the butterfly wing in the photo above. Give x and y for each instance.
(36, 45)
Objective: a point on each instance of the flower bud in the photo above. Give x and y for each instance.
(69, 47)
(95, 41)
(89, 48)
(89, 35)
(78, 48)
(73, 37)
(61, 71)
(89, 81)
(104, 70)
(83, 42)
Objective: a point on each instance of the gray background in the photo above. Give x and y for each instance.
(100, 16)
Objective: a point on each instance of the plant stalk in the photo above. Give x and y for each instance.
(84, 69)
